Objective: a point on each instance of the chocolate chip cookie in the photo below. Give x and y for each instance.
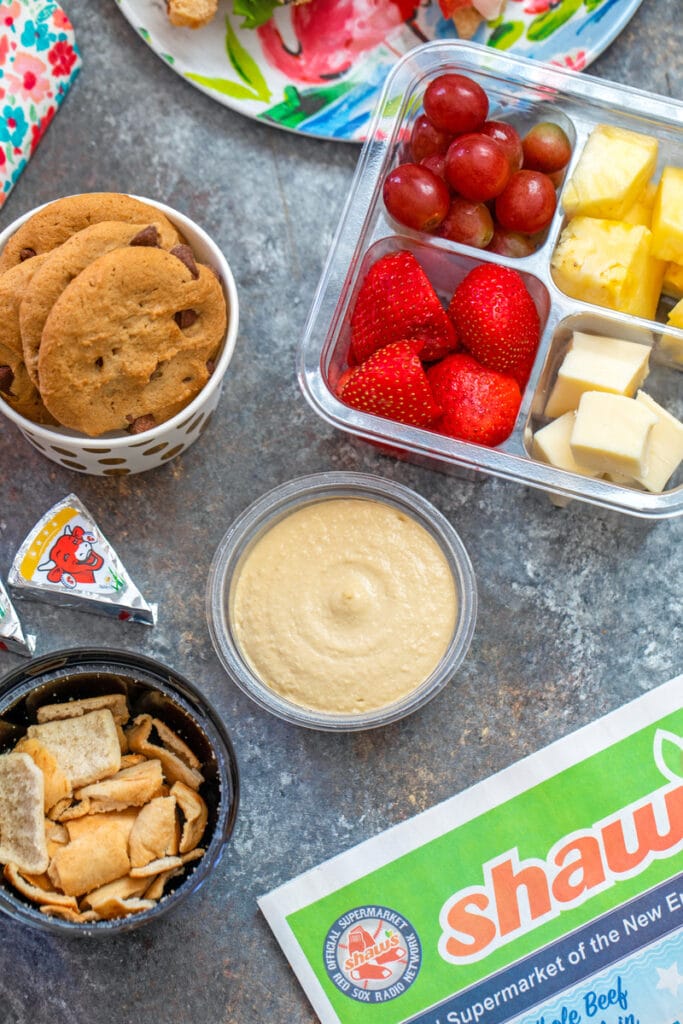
(16, 387)
(144, 348)
(54, 223)
(63, 264)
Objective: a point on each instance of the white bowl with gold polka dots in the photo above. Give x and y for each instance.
(120, 453)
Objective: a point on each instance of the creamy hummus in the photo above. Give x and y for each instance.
(344, 606)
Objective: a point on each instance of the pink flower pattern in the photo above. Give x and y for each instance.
(9, 12)
(27, 78)
(38, 62)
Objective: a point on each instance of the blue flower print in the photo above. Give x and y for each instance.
(37, 36)
(13, 125)
(18, 169)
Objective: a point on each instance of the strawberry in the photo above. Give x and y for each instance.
(391, 383)
(479, 404)
(396, 301)
(497, 320)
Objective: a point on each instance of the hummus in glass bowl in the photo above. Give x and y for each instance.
(341, 601)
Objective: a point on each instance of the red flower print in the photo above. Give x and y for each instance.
(62, 57)
(38, 130)
(3, 158)
(537, 6)
(4, 48)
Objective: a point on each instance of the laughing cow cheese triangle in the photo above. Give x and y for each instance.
(67, 560)
(11, 634)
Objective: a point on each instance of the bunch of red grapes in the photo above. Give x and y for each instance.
(477, 181)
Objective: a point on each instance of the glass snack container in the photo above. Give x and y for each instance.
(341, 585)
(150, 688)
(524, 93)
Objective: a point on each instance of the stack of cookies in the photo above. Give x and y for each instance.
(107, 320)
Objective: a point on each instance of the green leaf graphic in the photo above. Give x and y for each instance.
(223, 85)
(506, 35)
(668, 750)
(392, 106)
(544, 26)
(245, 65)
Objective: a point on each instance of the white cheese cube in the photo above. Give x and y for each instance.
(551, 445)
(611, 433)
(665, 451)
(596, 363)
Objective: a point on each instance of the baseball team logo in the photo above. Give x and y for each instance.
(372, 954)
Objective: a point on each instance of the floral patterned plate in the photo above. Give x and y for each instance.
(318, 68)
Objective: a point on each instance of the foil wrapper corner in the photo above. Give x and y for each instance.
(12, 637)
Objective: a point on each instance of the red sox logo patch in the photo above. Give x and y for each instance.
(372, 954)
(73, 559)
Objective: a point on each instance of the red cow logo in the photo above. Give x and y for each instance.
(72, 558)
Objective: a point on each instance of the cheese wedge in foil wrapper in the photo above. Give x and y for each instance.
(11, 634)
(66, 560)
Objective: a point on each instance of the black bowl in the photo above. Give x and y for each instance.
(151, 688)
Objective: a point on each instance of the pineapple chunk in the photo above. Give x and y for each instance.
(608, 263)
(613, 169)
(673, 281)
(671, 344)
(641, 211)
(667, 216)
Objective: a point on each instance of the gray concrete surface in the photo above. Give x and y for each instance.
(580, 610)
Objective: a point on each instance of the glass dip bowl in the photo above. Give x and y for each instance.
(272, 510)
(150, 688)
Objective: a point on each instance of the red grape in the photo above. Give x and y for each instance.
(416, 197)
(477, 167)
(546, 148)
(426, 140)
(527, 203)
(508, 138)
(557, 177)
(467, 222)
(511, 243)
(437, 163)
(455, 104)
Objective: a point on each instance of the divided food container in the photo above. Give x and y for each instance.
(523, 92)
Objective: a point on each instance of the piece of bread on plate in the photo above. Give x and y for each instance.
(191, 13)
(467, 15)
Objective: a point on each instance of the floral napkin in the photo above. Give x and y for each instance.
(38, 62)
